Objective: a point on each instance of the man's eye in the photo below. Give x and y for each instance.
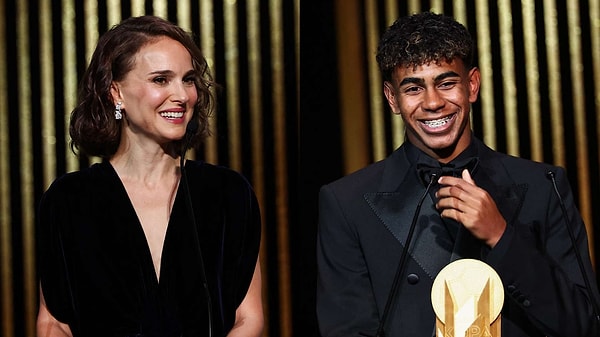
(448, 85)
(412, 90)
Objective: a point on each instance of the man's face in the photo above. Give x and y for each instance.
(434, 102)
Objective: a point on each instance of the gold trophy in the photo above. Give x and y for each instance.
(467, 297)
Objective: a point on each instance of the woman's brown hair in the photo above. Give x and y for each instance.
(93, 128)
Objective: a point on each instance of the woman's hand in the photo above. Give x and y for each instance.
(47, 325)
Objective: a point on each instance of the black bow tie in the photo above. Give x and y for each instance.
(428, 167)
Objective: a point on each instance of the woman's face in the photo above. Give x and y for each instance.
(158, 94)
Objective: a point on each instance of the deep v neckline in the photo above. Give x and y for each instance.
(139, 229)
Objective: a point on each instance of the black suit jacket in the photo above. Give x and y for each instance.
(363, 223)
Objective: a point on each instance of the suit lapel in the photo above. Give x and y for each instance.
(395, 204)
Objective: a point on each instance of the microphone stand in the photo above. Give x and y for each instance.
(588, 287)
(191, 129)
(403, 258)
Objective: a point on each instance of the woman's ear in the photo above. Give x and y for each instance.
(115, 92)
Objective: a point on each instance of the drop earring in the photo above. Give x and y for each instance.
(118, 114)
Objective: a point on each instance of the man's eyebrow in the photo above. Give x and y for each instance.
(412, 80)
(445, 75)
(421, 81)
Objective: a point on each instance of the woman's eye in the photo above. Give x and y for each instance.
(160, 80)
(189, 80)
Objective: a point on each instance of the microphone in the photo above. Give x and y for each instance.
(403, 258)
(190, 131)
(550, 175)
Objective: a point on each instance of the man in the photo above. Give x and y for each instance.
(496, 208)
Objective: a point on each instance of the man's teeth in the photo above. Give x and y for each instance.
(438, 122)
(170, 114)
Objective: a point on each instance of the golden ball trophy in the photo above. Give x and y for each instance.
(467, 297)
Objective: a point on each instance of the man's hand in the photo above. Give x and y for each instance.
(463, 201)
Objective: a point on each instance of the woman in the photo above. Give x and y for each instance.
(141, 245)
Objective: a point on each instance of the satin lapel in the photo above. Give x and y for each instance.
(430, 246)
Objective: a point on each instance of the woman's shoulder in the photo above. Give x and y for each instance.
(215, 175)
(79, 181)
(217, 179)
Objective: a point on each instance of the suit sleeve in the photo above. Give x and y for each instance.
(539, 268)
(345, 302)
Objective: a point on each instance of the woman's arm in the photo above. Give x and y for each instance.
(47, 325)
(249, 318)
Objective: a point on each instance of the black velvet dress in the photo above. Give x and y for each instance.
(96, 269)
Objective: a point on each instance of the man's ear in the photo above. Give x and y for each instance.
(474, 84)
(390, 95)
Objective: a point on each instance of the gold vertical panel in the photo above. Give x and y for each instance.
(581, 145)
(47, 92)
(508, 77)
(437, 6)
(90, 27)
(391, 11)
(256, 131)
(554, 81)
(70, 75)
(352, 86)
(113, 8)
(255, 94)
(532, 79)
(485, 64)
(184, 18)
(281, 187)
(137, 7)
(460, 11)
(207, 44)
(91, 37)
(595, 36)
(414, 6)
(26, 162)
(6, 256)
(391, 14)
(297, 36)
(232, 85)
(375, 85)
(160, 8)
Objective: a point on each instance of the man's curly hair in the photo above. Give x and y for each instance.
(421, 39)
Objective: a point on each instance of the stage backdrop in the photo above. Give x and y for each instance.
(251, 47)
(540, 94)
